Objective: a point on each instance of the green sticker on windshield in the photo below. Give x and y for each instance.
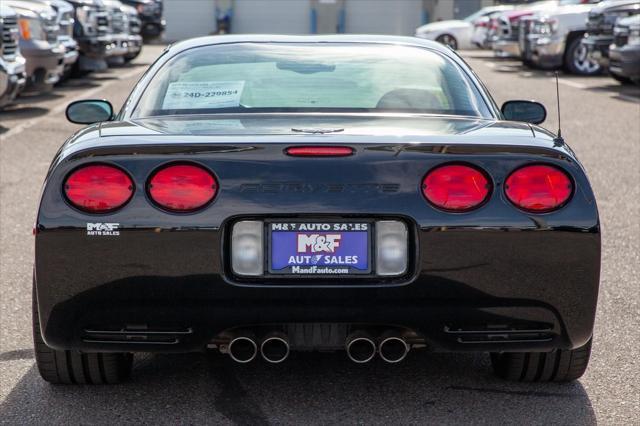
(203, 95)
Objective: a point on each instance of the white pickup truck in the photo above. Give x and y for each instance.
(554, 37)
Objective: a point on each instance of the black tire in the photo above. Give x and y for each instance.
(448, 40)
(576, 62)
(74, 367)
(620, 79)
(76, 72)
(556, 366)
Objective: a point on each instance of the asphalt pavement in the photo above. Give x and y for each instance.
(601, 122)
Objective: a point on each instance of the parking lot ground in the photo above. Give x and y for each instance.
(601, 122)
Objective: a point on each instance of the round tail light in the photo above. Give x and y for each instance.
(182, 187)
(538, 188)
(98, 188)
(456, 187)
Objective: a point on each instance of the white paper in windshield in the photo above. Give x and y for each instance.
(203, 94)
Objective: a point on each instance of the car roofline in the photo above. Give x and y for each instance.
(280, 38)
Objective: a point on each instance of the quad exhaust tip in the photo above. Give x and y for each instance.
(275, 348)
(393, 349)
(360, 347)
(243, 349)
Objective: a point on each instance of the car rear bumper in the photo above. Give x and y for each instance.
(502, 290)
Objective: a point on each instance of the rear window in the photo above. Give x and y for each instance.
(320, 77)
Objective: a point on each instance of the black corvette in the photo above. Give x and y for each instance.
(259, 195)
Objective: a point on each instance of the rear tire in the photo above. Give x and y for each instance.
(448, 40)
(556, 366)
(74, 367)
(77, 72)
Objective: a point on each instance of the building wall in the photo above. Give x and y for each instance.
(443, 10)
(192, 18)
(398, 17)
(189, 18)
(273, 16)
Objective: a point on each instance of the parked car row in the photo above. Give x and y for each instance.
(584, 37)
(613, 38)
(45, 41)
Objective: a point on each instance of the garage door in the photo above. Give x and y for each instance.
(271, 17)
(400, 17)
(189, 18)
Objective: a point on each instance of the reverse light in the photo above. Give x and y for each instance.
(98, 188)
(456, 187)
(319, 151)
(538, 188)
(247, 248)
(182, 187)
(391, 247)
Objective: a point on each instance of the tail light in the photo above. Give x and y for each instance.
(456, 187)
(182, 187)
(538, 188)
(98, 188)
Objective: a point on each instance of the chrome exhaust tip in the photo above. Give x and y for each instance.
(360, 347)
(242, 349)
(393, 349)
(275, 348)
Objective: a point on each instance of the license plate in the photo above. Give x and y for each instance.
(319, 248)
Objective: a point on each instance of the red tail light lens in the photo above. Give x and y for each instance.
(98, 188)
(456, 187)
(319, 151)
(182, 187)
(539, 188)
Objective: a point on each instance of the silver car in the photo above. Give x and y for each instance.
(39, 43)
(66, 22)
(12, 63)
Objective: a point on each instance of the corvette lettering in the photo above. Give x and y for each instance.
(301, 187)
